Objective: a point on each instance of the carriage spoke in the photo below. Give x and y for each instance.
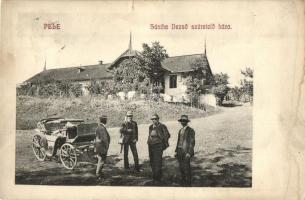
(35, 151)
(35, 140)
(68, 156)
(37, 147)
(64, 153)
(39, 154)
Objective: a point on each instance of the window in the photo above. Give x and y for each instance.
(173, 81)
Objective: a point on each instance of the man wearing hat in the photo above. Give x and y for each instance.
(102, 141)
(185, 150)
(129, 132)
(157, 143)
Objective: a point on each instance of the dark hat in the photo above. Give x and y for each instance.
(129, 113)
(155, 116)
(103, 117)
(184, 118)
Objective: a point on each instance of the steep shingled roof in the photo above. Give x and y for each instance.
(176, 64)
(126, 54)
(183, 63)
(73, 74)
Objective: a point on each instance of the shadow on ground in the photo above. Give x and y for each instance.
(230, 105)
(222, 168)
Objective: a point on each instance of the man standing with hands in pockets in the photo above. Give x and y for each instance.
(185, 150)
(157, 143)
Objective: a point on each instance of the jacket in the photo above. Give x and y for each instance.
(188, 142)
(102, 139)
(127, 135)
(158, 134)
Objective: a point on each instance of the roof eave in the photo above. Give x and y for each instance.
(180, 71)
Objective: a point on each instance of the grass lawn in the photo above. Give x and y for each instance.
(32, 109)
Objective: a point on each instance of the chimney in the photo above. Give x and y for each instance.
(100, 62)
(80, 69)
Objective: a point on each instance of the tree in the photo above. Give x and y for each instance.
(248, 72)
(129, 75)
(141, 72)
(220, 88)
(247, 83)
(76, 89)
(151, 58)
(195, 80)
(64, 88)
(236, 93)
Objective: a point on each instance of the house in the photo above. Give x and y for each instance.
(174, 73)
(178, 68)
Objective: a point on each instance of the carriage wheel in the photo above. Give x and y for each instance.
(68, 156)
(38, 148)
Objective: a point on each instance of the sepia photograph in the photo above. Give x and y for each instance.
(139, 103)
(152, 100)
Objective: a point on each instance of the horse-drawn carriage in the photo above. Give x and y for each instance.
(70, 137)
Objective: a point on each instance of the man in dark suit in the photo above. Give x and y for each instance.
(157, 143)
(185, 150)
(129, 132)
(102, 142)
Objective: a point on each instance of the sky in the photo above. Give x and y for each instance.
(100, 31)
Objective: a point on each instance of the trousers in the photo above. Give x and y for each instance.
(155, 158)
(134, 151)
(101, 160)
(185, 168)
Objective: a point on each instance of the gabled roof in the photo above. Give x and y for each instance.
(178, 64)
(126, 54)
(81, 73)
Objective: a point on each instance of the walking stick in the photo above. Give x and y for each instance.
(121, 148)
(121, 143)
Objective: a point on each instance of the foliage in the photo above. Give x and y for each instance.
(142, 72)
(220, 88)
(60, 88)
(98, 87)
(129, 75)
(24, 89)
(197, 81)
(247, 82)
(244, 92)
(47, 90)
(248, 72)
(151, 58)
(236, 93)
(194, 88)
(221, 79)
(76, 89)
(64, 88)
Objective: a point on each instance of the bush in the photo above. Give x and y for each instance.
(76, 89)
(48, 90)
(62, 89)
(105, 88)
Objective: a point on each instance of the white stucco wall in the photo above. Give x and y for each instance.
(208, 99)
(84, 87)
(178, 92)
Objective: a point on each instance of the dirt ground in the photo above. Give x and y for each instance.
(223, 156)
